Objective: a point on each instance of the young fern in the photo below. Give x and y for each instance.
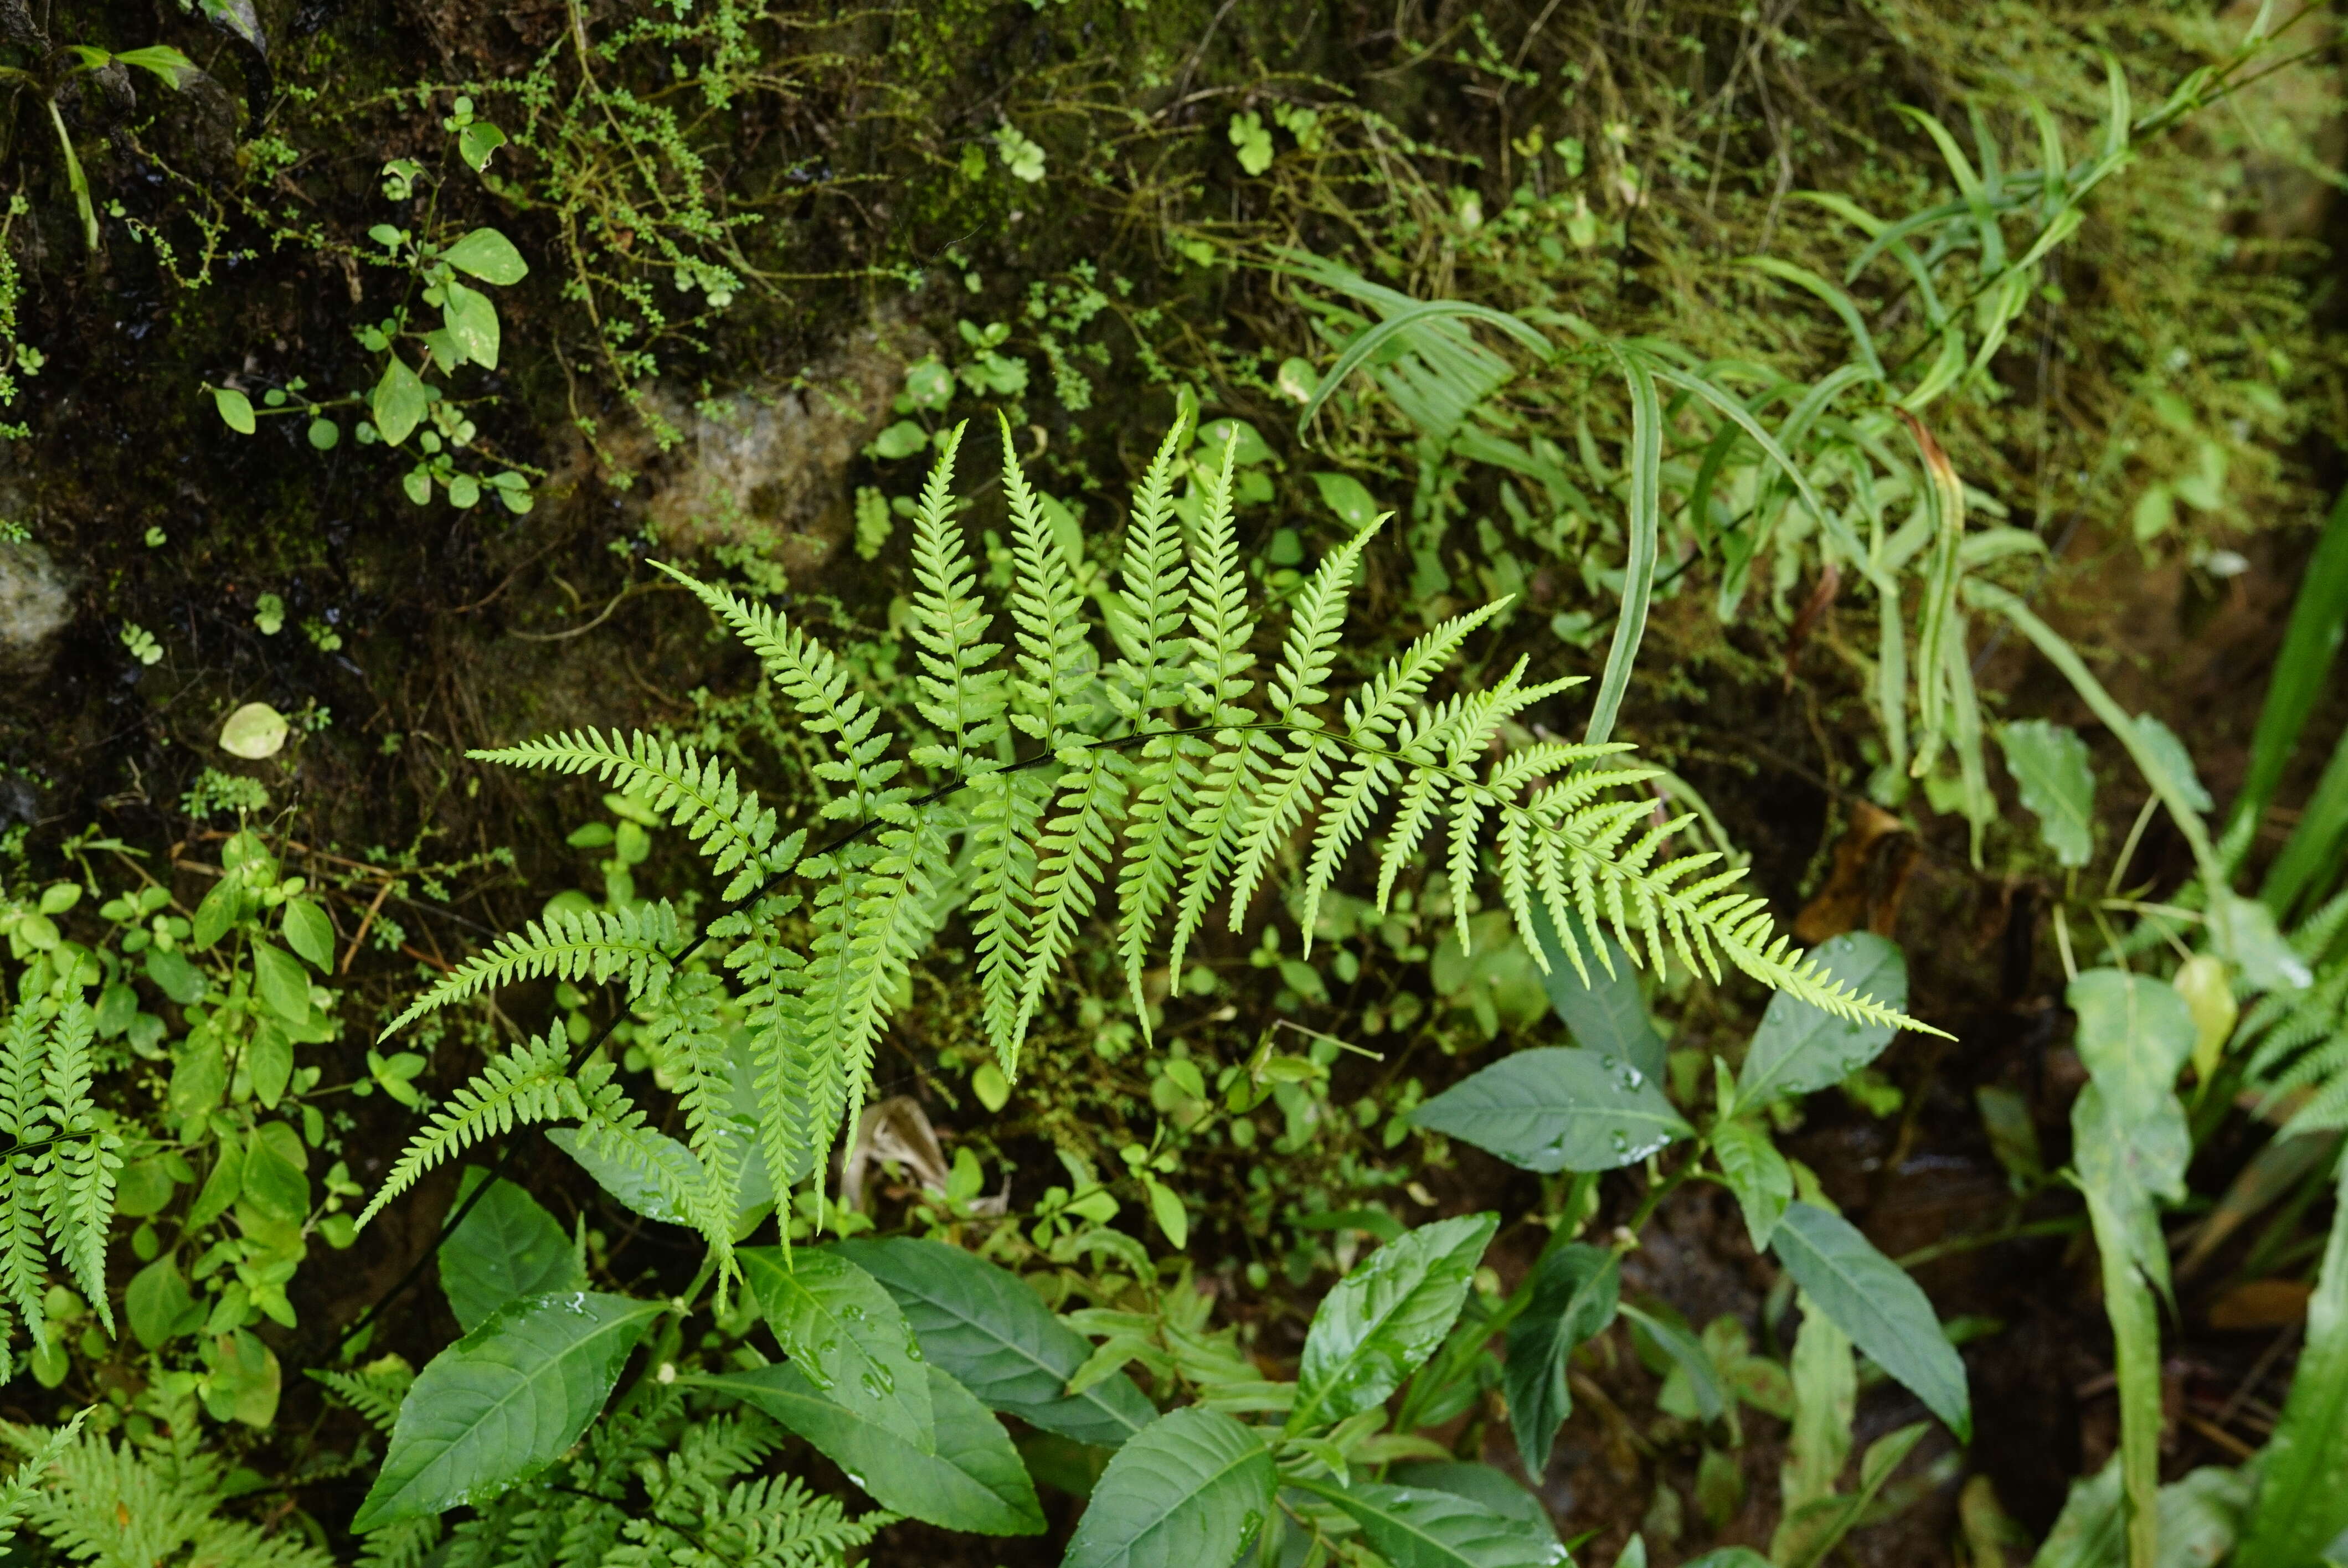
(1120, 741)
(57, 1167)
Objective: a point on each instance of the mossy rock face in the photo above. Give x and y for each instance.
(35, 606)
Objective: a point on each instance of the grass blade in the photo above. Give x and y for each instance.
(1646, 531)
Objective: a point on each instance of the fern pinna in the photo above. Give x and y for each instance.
(1117, 739)
(57, 1167)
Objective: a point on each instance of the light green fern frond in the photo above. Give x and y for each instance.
(721, 819)
(529, 1083)
(374, 1393)
(112, 1505)
(956, 692)
(636, 944)
(57, 1172)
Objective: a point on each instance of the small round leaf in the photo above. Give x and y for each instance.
(253, 732)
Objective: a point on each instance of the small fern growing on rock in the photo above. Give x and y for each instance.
(1136, 751)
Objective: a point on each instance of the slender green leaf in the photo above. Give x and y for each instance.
(1416, 1528)
(845, 1332)
(2049, 764)
(1688, 1352)
(2302, 671)
(1817, 1527)
(1574, 1293)
(1825, 1375)
(2310, 861)
(1556, 1109)
(1872, 1299)
(506, 1248)
(1385, 1317)
(503, 1402)
(975, 1480)
(1800, 1048)
(2302, 1500)
(1645, 527)
(979, 1323)
(1191, 1492)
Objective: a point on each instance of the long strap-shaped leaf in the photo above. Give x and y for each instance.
(1646, 532)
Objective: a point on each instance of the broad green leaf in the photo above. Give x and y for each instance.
(2050, 769)
(275, 1184)
(1757, 1174)
(1415, 1528)
(159, 1305)
(284, 984)
(1574, 1290)
(1556, 1109)
(1724, 1557)
(1345, 496)
(2161, 741)
(488, 256)
(1872, 1299)
(1687, 1352)
(399, 402)
(2135, 1035)
(631, 1184)
(309, 933)
(2302, 1503)
(503, 1402)
(1608, 1014)
(1385, 1317)
(472, 322)
(1191, 1492)
(1801, 1048)
(1808, 1532)
(235, 409)
(979, 1323)
(846, 1334)
(1481, 1483)
(975, 1480)
(507, 1247)
(254, 732)
(174, 976)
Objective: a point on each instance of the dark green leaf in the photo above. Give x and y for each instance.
(309, 933)
(1816, 1527)
(1799, 1048)
(1608, 1014)
(488, 256)
(1872, 1299)
(1411, 1528)
(981, 1324)
(284, 985)
(503, 1402)
(1556, 1109)
(632, 1186)
(507, 1247)
(1385, 1317)
(845, 1332)
(1574, 1291)
(973, 1482)
(1191, 1492)
(274, 1185)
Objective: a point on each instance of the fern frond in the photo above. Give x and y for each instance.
(23, 1120)
(1073, 857)
(821, 687)
(1145, 615)
(721, 820)
(375, 1394)
(636, 944)
(529, 1083)
(955, 690)
(78, 1168)
(1052, 658)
